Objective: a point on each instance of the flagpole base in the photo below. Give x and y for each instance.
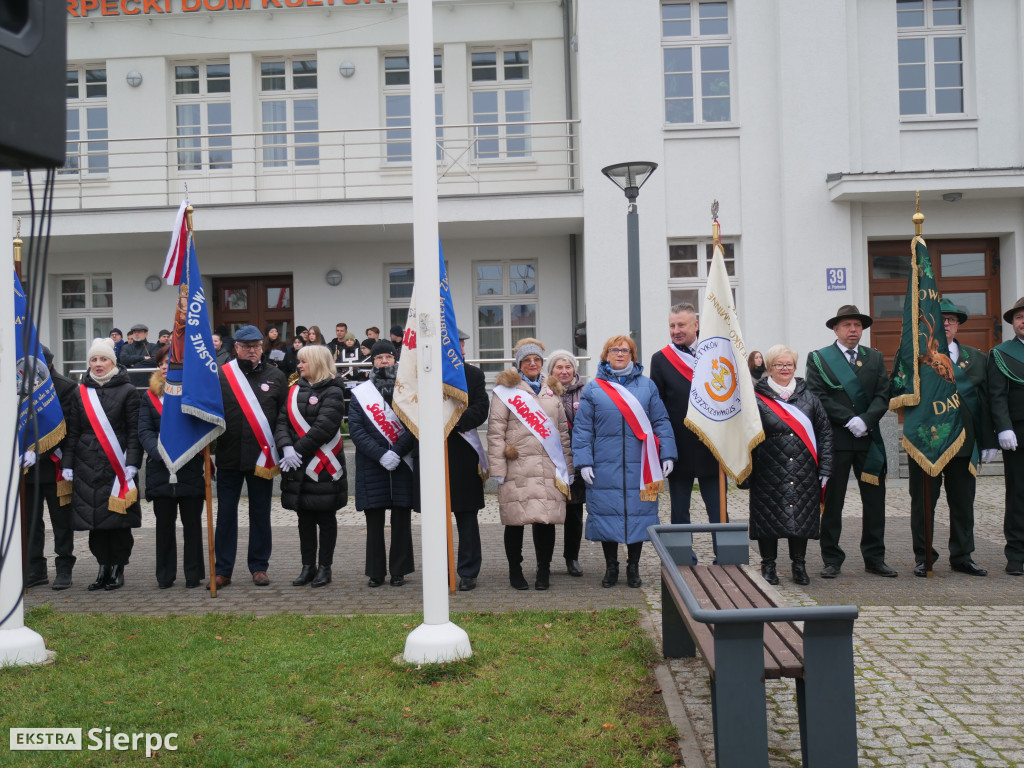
(21, 646)
(437, 643)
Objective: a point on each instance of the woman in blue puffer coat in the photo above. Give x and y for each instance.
(610, 457)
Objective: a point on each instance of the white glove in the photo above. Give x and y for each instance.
(130, 472)
(824, 481)
(1008, 440)
(667, 466)
(390, 461)
(988, 454)
(28, 458)
(500, 480)
(67, 474)
(587, 473)
(857, 426)
(292, 460)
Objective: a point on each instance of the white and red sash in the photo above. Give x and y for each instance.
(63, 486)
(158, 402)
(124, 493)
(680, 360)
(473, 439)
(524, 406)
(267, 463)
(796, 420)
(379, 412)
(326, 454)
(651, 478)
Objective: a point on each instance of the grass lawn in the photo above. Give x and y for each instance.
(541, 689)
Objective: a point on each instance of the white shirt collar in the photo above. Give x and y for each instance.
(846, 350)
(954, 351)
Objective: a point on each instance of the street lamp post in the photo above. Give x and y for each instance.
(629, 177)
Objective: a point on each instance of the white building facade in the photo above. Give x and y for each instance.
(812, 122)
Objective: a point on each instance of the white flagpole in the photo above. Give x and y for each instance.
(437, 639)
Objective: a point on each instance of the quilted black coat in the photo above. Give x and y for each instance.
(191, 479)
(322, 405)
(376, 488)
(785, 490)
(94, 476)
(467, 489)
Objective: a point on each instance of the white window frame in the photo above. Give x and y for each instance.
(99, 320)
(505, 130)
(506, 299)
(929, 33)
(696, 43)
(210, 146)
(88, 148)
(301, 150)
(699, 281)
(391, 305)
(398, 126)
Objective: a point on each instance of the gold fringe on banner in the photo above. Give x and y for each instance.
(50, 441)
(933, 468)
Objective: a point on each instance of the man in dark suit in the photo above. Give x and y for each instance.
(970, 367)
(1006, 398)
(464, 479)
(672, 372)
(852, 383)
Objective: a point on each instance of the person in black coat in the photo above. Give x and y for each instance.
(314, 489)
(787, 477)
(46, 489)
(186, 495)
(386, 477)
(94, 507)
(465, 482)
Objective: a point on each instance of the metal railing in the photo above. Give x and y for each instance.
(268, 167)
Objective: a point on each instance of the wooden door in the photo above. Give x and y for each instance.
(258, 300)
(966, 271)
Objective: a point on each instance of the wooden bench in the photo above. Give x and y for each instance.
(746, 637)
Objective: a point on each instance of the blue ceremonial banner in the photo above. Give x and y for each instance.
(453, 371)
(193, 411)
(40, 418)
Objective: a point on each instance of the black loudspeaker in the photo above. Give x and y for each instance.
(33, 60)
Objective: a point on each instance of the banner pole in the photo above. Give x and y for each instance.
(928, 533)
(22, 487)
(723, 512)
(208, 467)
(448, 522)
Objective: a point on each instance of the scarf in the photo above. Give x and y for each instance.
(784, 392)
(534, 383)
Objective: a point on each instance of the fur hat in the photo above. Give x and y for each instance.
(102, 348)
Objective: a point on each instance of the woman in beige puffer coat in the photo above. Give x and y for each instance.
(528, 492)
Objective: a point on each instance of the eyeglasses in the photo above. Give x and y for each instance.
(619, 351)
(950, 321)
(784, 366)
(254, 345)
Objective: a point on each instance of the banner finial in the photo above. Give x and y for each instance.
(918, 217)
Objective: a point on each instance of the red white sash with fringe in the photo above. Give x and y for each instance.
(267, 463)
(124, 493)
(63, 486)
(651, 479)
(796, 420)
(380, 413)
(524, 406)
(681, 361)
(327, 454)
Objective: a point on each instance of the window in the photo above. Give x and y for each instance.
(397, 110)
(688, 272)
(500, 94)
(505, 303)
(288, 103)
(696, 48)
(87, 121)
(930, 44)
(86, 312)
(401, 281)
(202, 109)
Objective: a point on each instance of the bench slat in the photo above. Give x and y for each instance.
(788, 633)
(700, 632)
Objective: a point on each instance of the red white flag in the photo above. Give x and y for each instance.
(174, 264)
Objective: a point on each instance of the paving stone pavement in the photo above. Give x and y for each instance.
(939, 662)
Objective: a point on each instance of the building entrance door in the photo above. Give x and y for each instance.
(259, 300)
(966, 271)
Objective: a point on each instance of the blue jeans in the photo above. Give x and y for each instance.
(229, 491)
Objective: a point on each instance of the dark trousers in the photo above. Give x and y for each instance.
(401, 561)
(327, 522)
(611, 551)
(38, 496)
(872, 539)
(680, 486)
(1013, 520)
(543, 544)
(469, 553)
(960, 487)
(769, 549)
(225, 538)
(572, 531)
(111, 546)
(166, 510)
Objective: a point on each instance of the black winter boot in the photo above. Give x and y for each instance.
(116, 579)
(768, 572)
(306, 575)
(800, 572)
(611, 574)
(323, 576)
(101, 579)
(516, 578)
(633, 575)
(543, 576)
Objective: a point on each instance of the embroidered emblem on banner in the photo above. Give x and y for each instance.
(716, 368)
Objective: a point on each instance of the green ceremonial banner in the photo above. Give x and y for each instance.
(923, 384)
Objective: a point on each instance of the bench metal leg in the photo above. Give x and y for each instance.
(826, 700)
(738, 696)
(675, 638)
